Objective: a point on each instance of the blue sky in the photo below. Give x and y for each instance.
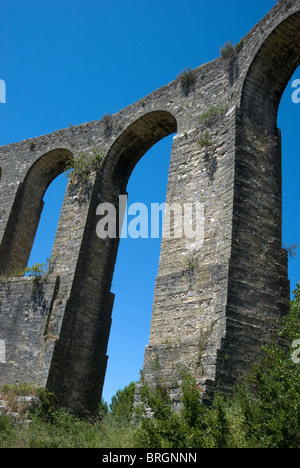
(71, 61)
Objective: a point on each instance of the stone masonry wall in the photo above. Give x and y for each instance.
(215, 304)
(26, 307)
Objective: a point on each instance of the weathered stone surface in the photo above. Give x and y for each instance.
(211, 318)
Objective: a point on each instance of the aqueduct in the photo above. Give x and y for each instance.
(212, 318)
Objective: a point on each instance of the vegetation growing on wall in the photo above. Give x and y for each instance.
(205, 120)
(205, 139)
(84, 164)
(187, 79)
(229, 50)
(213, 112)
(264, 411)
(35, 271)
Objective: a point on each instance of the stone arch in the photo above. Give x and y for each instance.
(78, 366)
(136, 140)
(271, 69)
(26, 210)
(240, 287)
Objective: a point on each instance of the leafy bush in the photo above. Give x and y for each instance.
(227, 51)
(264, 412)
(121, 406)
(272, 414)
(189, 428)
(8, 432)
(187, 79)
(37, 270)
(80, 167)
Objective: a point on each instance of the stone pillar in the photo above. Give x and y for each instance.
(189, 312)
(79, 361)
(258, 286)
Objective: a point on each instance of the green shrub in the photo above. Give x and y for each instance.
(82, 166)
(121, 406)
(204, 139)
(37, 270)
(263, 412)
(227, 51)
(8, 432)
(169, 429)
(211, 114)
(187, 79)
(47, 406)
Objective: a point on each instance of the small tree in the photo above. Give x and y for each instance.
(121, 406)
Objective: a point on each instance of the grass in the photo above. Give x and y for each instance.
(65, 431)
(213, 112)
(53, 427)
(192, 263)
(263, 411)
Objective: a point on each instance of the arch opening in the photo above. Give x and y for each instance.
(288, 122)
(258, 283)
(270, 72)
(268, 96)
(140, 167)
(26, 211)
(135, 273)
(47, 227)
(136, 140)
